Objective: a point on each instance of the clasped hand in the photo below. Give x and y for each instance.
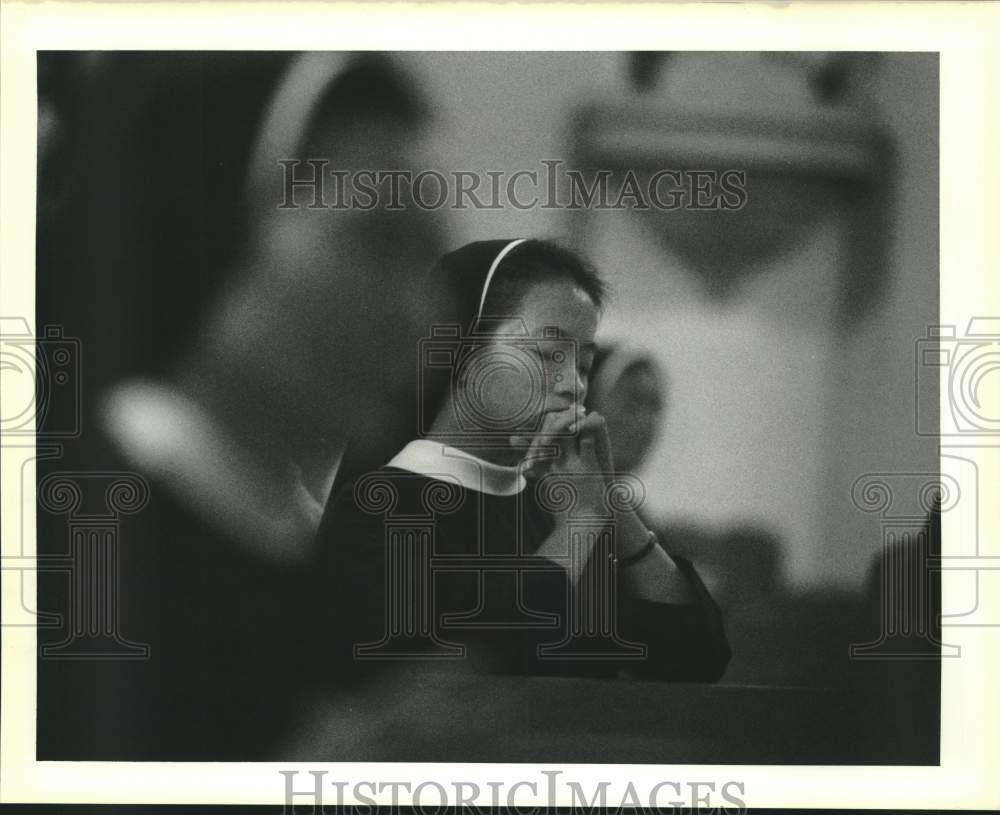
(574, 444)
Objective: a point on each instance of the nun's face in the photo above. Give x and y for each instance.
(539, 360)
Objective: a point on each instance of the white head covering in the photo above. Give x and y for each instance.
(492, 271)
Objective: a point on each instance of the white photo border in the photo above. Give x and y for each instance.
(965, 36)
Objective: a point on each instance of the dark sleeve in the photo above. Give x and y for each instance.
(685, 643)
(682, 642)
(348, 590)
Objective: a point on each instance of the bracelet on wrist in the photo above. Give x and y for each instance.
(635, 557)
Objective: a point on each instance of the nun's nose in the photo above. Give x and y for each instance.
(567, 383)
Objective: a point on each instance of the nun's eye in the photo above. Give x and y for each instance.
(550, 356)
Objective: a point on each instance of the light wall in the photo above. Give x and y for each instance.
(775, 407)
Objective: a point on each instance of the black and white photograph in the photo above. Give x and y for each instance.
(494, 407)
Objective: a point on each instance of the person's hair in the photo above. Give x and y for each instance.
(540, 261)
(456, 280)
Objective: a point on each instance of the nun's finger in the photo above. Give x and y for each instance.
(553, 424)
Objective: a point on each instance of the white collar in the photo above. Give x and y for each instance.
(434, 459)
(168, 436)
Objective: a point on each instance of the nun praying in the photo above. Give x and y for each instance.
(501, 536)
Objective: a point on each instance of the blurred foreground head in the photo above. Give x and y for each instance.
(628, 388)
(328, 307)
(312, 339)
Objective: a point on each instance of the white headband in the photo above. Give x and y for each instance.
(489, 275)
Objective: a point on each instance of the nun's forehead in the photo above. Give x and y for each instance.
(558, 304)
(493, 278)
